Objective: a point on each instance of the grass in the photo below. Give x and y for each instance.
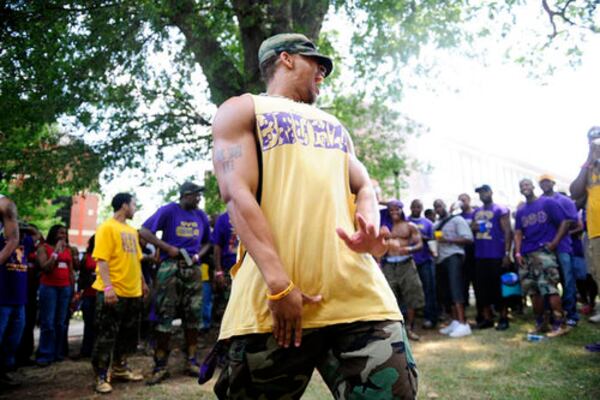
(486, 365)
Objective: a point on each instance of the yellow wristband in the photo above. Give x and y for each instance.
(281, 294)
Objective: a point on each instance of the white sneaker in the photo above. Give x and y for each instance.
(447, 330)
(595, 318)
(460, 331)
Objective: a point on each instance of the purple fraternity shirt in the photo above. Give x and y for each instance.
(489, 237)
(13, 273)
(224, 236)
(426, 228)
(539, 222)
(570, 210)
(468, 216)
(183, 229)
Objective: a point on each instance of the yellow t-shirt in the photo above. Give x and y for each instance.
(305, 197)
(593, 203)
(117, 243)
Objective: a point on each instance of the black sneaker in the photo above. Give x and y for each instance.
(502, 325)
(485, 324)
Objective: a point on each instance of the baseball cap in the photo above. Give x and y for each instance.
(189, 187)
(483, 188)
(547, 177)
(594, 133)
(293, 43)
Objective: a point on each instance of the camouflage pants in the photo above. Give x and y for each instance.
(117, 329)
(539, 274)
(361, 360)
(178, 293)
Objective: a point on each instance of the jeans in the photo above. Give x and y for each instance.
(88, 309)
(206, 304)
(12, 323)
(427, 276)
(569, 297)
(54, 305)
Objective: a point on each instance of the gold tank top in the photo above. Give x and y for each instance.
(305, 196)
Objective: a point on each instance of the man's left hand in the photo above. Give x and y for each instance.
(366, 239)
(145, 290)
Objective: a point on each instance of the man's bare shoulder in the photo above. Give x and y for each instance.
(7, 207)
(235, 112)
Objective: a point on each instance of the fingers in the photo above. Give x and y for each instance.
(362, 222)
(276, 329)
(307, 299)
(288, 333)
(343, 235)
(298, 332)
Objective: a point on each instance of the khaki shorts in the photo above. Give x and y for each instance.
(594, 258)
(404, 280)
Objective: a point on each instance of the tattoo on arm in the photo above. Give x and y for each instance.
(224, 158)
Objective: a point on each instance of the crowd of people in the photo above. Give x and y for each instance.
(538, 251)
(308, 279)
(128, 284)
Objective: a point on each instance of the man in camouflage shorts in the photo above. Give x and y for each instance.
(539, 273)
(540, 224)
(258, 358)
(178, 290)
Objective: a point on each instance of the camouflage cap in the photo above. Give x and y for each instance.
(293, 43)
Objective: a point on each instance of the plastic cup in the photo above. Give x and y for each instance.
(438, 235)
(433, 247)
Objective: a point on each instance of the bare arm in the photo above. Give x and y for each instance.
(110, 297)
(361, 186)
(518, 241)
(562, 231)
(147, 235)
(236, 167)
(8, 212)
(579, 185)
(47, 264)
(368, 238)
(507, 231)
(415, 238)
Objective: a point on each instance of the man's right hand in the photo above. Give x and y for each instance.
(110, 297)
(519, 259)
(173, 252)
(287, 316)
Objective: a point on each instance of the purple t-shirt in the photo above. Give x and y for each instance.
(181, 228)
(468, 216)
(426, 228)
(489, 237)
(225, 237)
(568, 206)
(13, 274)
(539, 222)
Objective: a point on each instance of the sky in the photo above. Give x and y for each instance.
(500, 110)
(493, 105)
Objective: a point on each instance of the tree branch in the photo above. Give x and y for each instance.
(224, 79)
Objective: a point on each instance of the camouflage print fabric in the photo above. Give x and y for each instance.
(404, 280)
(117, 330)
(178, 293)
(361, 360)
(539, 274)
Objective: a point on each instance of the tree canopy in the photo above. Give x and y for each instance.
(126, 78)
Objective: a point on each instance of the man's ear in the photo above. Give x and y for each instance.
(286, 59)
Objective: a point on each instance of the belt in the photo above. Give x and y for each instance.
(397, 259)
